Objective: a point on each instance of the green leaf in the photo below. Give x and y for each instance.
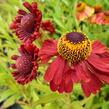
(5, 95)
(65, 2)
(51, 106)
(76, 105)
(88, 101)
(105, 105)
(58, 22)
(41, 87)
(10, 101)
(48, 98)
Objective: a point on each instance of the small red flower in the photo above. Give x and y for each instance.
(77, 60)
(84, 11)
(47, 25)
(27, 25)
(26, 64)
(101, 18)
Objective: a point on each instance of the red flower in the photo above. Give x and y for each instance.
(84, 11)
(26, 64)
(101, 18)
(27, 25)
(47, 25)
(77, 60)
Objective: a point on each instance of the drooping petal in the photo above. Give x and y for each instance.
(60, 70)
(98, 47)
(74, 77)
(61, 88)
(96, 62)
(53, 86)
(103, 76)
(51, 70)
(48, 50)
(68, 83)
(55, 70)
(81, 72)
(72, 72)
(91, 86)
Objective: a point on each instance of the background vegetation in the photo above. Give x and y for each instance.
(37, 95)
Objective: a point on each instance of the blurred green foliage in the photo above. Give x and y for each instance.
(37, 95)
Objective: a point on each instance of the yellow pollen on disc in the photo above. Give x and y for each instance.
(74, 52)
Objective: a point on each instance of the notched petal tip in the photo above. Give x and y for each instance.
(34, 5)
(22, 12)
(28, 6)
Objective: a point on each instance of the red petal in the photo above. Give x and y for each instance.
(39, 18)
(74, 77)
(13, 25)
(45, 58)
(35, 36)
(55, 70)
(53, 86)
(51, 70)
(18, 18)
(91, 86)
(28, 6)
(61, 63)
(30, 48)
(22, 49)
(81, 72)
(48, 50)
(97, 62)
(22, 12)
(102, 77)
(34, 6)
(69, 87)
(68, 83)
(61, 87)
(99, 48)
(85, 87)
(47, 25)
(104, 57)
